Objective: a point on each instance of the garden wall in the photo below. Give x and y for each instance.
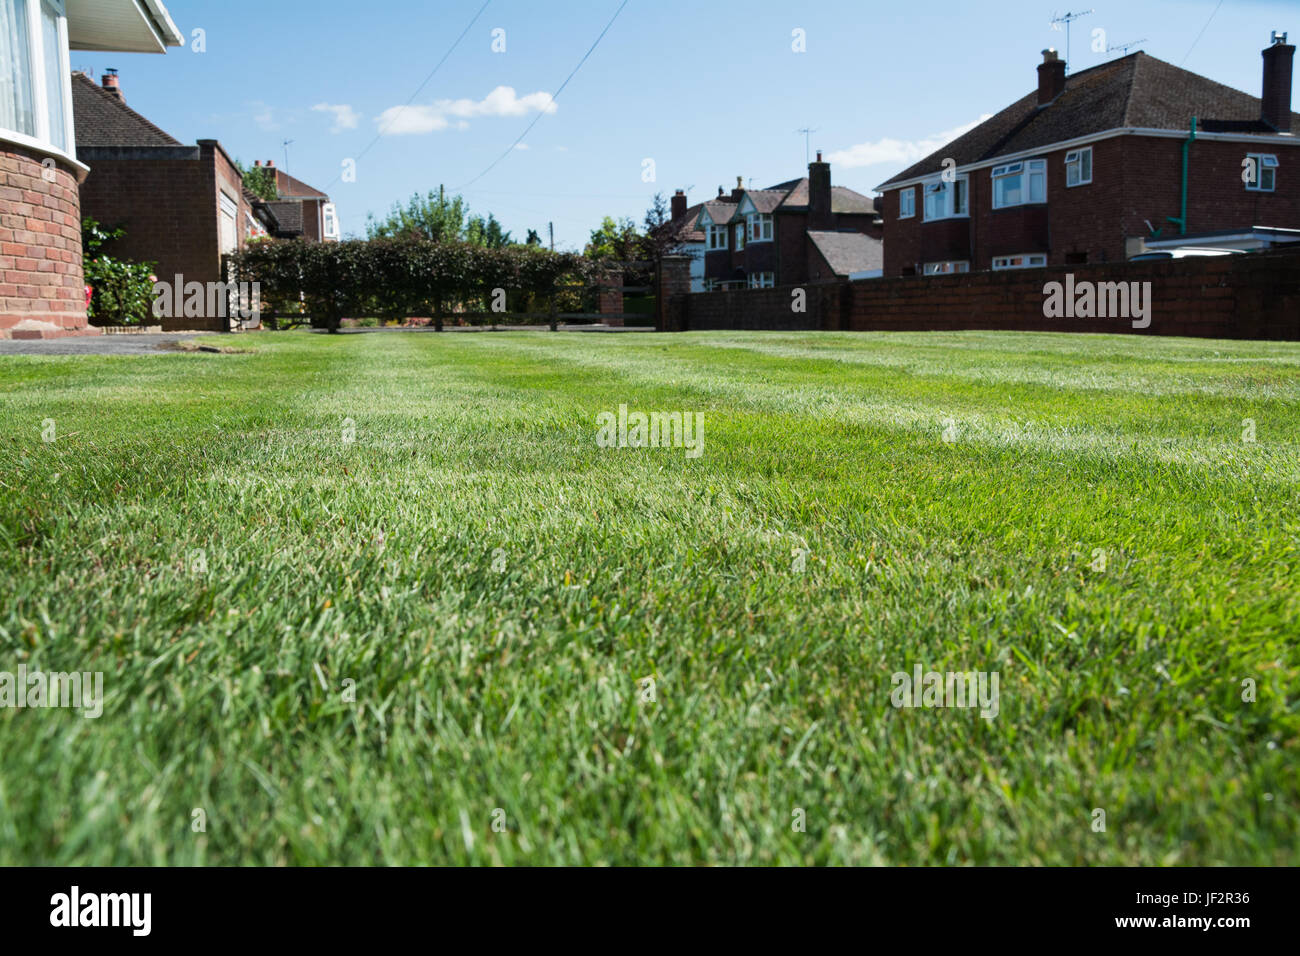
(1255, 296)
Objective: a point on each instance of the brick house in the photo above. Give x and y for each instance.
(41, 278)
(1112, 161)
(804, 230)
(688, 237)
(183, 207)
(302, 211)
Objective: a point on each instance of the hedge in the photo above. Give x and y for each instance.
(400, 278)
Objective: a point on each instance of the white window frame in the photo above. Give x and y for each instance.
(739, 229)
(1021, 260)
(717, 238)
(760, 227)
(907, 210)
(1024, 170)
(948, 191)
(1263, 161)
(946, 268)
(1074, 162)
(762, 280)
(42, 139)
(329, 221)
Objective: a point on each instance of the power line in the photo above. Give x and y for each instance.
(555, 97)
(1202, 33)
(420, 88)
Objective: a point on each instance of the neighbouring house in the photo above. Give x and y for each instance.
(1102, 165)
(804, 230)
(687, 236)
(41, 278)
(302, 211)
(183, 207)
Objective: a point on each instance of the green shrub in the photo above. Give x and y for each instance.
(400, 278)
(122, 290)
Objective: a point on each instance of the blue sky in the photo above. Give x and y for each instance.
(707, 89)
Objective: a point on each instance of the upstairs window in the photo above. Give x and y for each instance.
(740, 236)
(907, 203)
(331, 226)
(1078, 167)
(1018, 184)
(1261, 175)
(945, 200)
(760, 227)
(717, 237)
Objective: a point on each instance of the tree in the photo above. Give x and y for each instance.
(486, 233)
(614, 240)
(434, 216)
(533, 238)
(656, 216)
(260, 181)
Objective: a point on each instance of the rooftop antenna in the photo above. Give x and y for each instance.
(806, 133)
(1125, 47)
(286, 144)
(1067, 19)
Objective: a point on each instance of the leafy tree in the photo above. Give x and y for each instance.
(614, 240)
(533, 238)
(486, 233)
(435, 216)
(260, 181)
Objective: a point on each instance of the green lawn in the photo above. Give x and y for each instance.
(494, 589)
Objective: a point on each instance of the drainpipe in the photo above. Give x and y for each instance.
(1181, 219)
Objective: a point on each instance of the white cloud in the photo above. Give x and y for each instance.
(345, 117)
(438, 116)
(897, 151)
(522, 146)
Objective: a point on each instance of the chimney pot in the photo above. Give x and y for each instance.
(1275, 100)
(1051, 77)
(679, 204)
(112, 85)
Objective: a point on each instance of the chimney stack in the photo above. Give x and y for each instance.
(1051, 77)
(679, 204)
(739, 190)
(819, 195)
(111, 85)
(1275, 102)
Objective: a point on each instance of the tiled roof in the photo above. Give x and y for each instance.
(686, 227)
(291, 188)
(1135, 91)
(765, 200)
(288, 213)
(720, 212)
(849, 252)
(843, 199)
(101, 119)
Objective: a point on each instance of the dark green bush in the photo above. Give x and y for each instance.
(399, 278)
(122, 290)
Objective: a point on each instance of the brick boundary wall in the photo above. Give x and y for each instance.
(1254, 296)
(42, 285)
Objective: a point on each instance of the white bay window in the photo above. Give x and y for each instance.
(946, 200)
(1018, 184)
(35, 78)
(760, 227)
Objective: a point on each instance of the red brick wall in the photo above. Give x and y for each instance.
(1246, 297)
(170, 210)
(41, 280)
(1135, 179)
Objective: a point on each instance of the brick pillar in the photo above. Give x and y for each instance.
(609, 294)
(673, 279)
